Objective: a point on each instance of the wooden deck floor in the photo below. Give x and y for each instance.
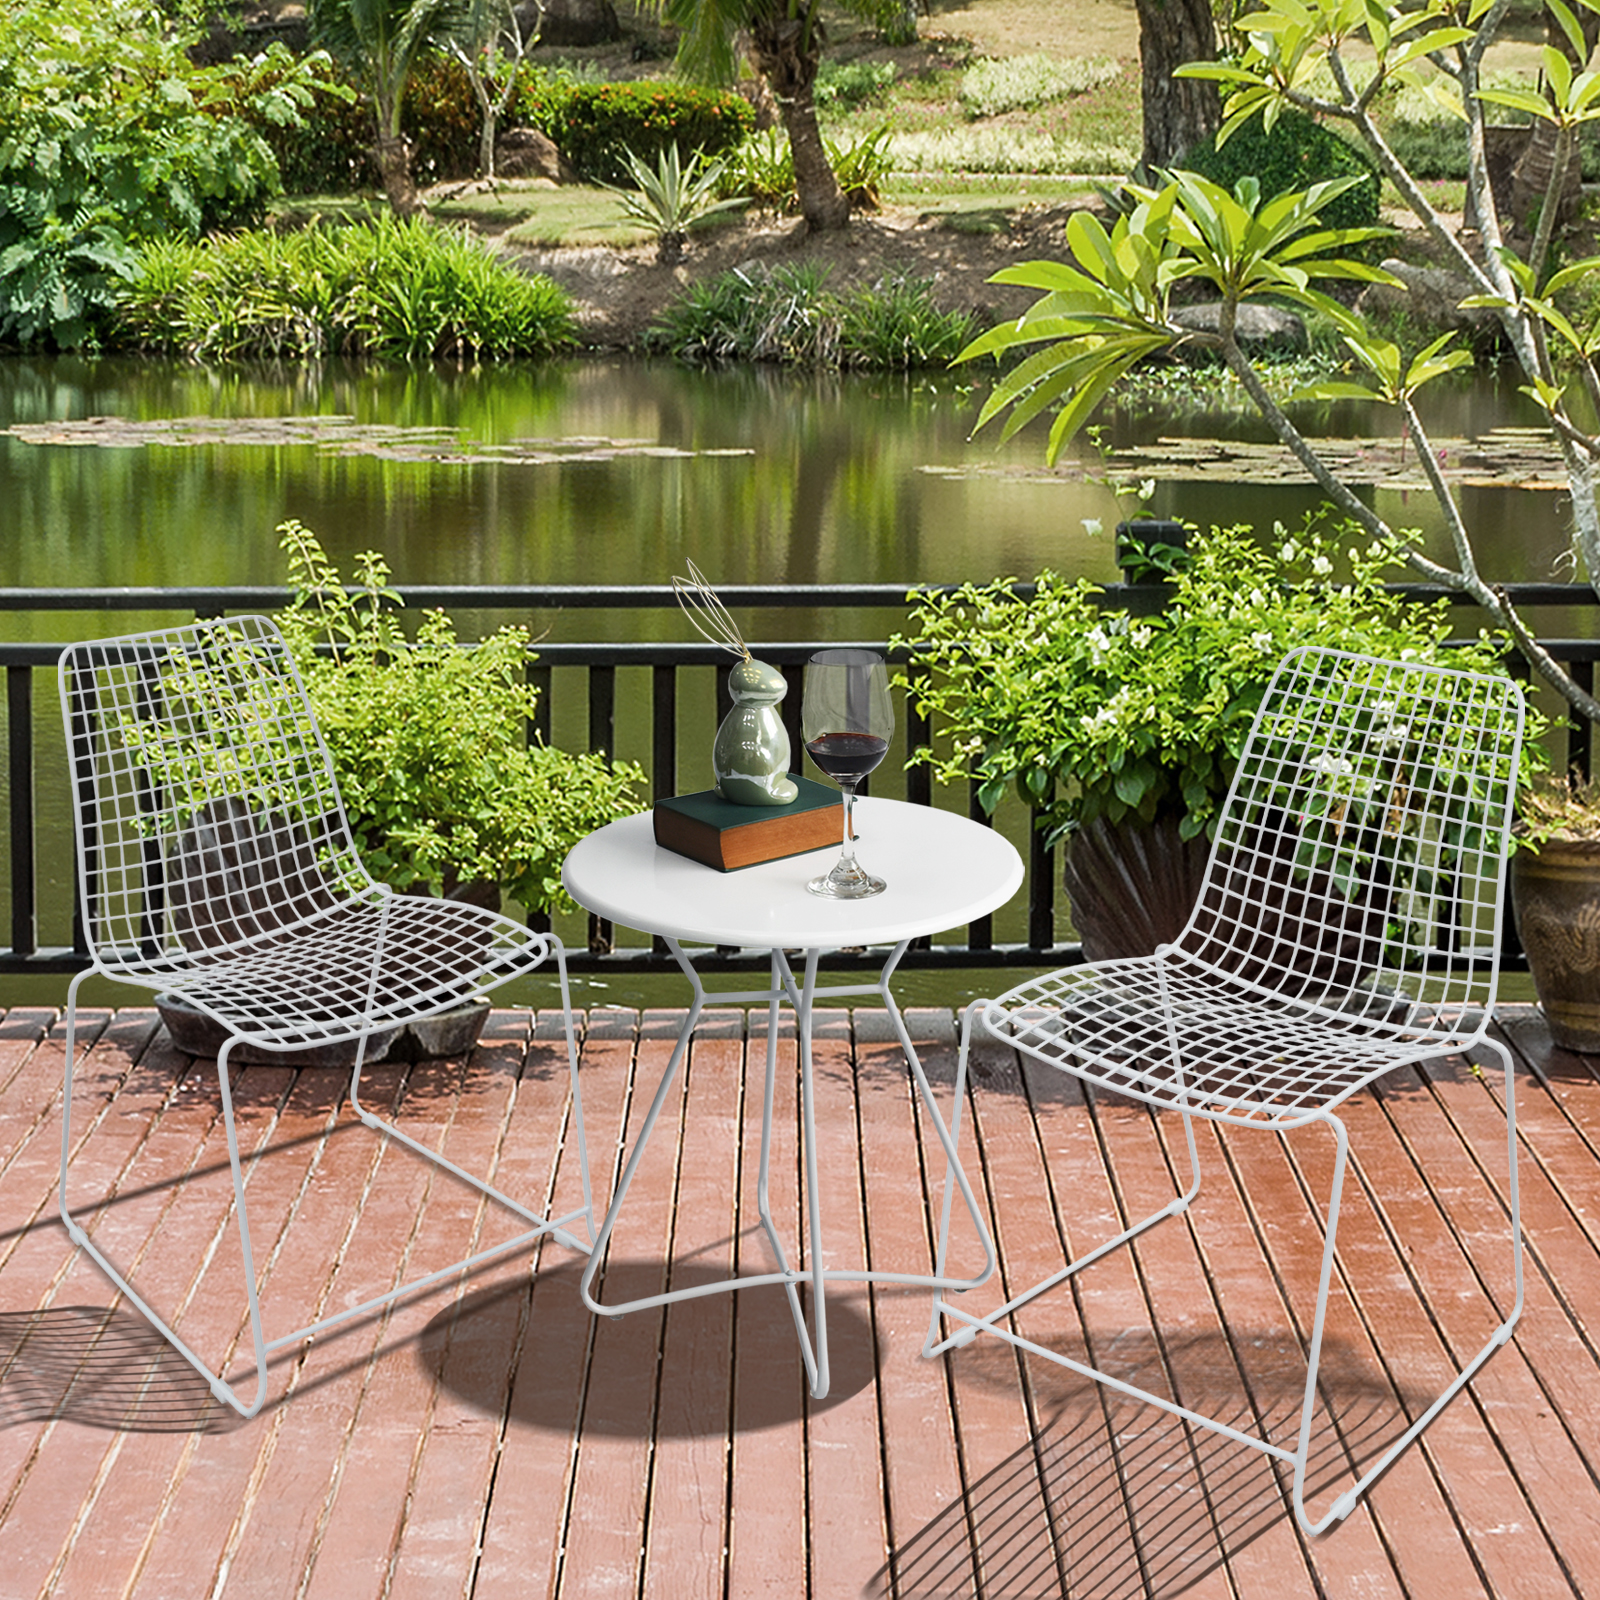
(493, 1440)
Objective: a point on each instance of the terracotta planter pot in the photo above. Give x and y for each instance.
(1555, 895)
(452, 1033)
(1133, 887)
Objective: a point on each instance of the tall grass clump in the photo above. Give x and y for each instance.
(1018, 83)
(389, 290)
(789, 316)
(761, 170)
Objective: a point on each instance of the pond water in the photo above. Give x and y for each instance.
(609, 471)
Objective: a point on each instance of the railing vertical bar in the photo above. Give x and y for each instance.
(663, 746)
(24, 887)
(602, 741)
(1580, 753)
(541, 679)
(1041, 885)
(980, 934)
(793, 701)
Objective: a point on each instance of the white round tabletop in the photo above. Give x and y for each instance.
(942, 870)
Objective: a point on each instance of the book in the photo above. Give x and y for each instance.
(720, 834)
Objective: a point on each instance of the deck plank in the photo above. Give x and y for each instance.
(492, 1440)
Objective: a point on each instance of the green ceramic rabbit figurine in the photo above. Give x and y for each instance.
(751, 754)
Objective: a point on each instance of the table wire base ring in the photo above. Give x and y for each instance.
(801, 997)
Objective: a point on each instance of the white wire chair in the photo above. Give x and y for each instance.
(1349, 925)
(216, 864)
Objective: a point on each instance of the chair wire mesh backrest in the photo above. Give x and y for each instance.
(206, 807)
(1361, 851)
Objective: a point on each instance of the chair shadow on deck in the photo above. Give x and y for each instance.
(1113, 1499)
(102, 1367)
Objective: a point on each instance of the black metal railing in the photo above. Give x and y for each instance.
(578, 681)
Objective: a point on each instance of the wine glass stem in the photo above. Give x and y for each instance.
(848, 859)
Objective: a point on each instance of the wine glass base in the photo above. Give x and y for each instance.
(846, 882)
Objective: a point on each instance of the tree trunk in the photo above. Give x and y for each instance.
(1531, 179)
(1178, 112)
(786, 52)
(393, 157)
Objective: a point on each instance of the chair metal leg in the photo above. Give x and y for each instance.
(262, 1347)
(220, 1388)
(972, 1326)
(1295, 1459)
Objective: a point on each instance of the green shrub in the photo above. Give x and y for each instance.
(330, 152)
(109, 135)
(845, 85)
(789, 316)
(429, 739)
(594, 123)
(1016, 83)
(762, 170)
(1296, 154)
(894, 325)
(399, 291)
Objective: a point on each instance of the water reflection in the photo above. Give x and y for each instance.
(834, 486)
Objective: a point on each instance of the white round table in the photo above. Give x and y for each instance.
(942, 871)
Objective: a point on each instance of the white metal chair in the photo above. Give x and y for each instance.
(1348, 925)
(216, 863)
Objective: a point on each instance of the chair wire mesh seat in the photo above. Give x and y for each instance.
(1348, 925)
(216, 865)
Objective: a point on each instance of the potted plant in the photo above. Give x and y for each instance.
(444, 793)
(1555, 896)
(1124, 731)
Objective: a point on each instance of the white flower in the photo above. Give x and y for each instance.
(1141, 637)
(1332, 766)
(1147, 487)
(1290, 551)
(1094, 527)
(1263, 640)
(1321, 566)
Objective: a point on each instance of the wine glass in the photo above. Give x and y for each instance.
(847, 718)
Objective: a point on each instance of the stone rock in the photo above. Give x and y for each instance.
(570, 22)
(1263, 327)
(1432, 295)
(527, 153)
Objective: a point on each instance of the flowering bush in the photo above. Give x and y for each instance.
(1088, 712)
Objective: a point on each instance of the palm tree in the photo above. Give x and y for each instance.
(380, 41)
(784, 40)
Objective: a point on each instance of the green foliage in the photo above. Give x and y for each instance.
(428, 739)
(110, 135)
(1089, 712)
(847, 85)
(762, 170)
(1294, 155)
(398, 291)
(329, 151)
(790, 316)
(596, 125)
(673, 197)
(894, 325)
(1018, 83)
(1099, 317)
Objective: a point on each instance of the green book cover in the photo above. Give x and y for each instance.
(708, 808)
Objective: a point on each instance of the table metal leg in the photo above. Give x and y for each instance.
(801, 997)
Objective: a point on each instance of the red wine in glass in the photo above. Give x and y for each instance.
(847, 718)
(847, 757)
